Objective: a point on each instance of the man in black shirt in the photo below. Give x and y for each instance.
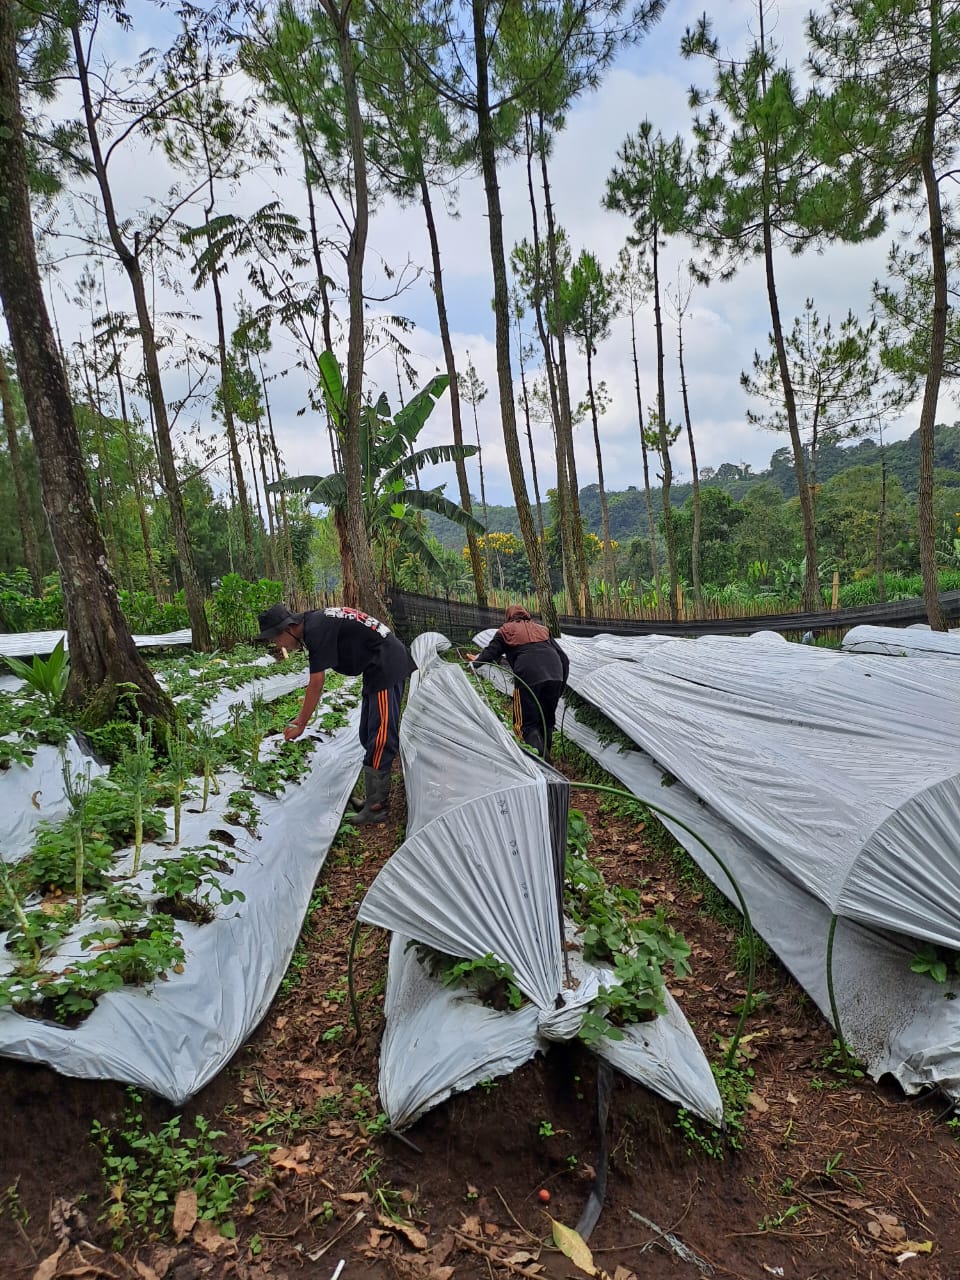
(541, 669)
(353, 643)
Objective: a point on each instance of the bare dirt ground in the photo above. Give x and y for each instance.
(835, 1177)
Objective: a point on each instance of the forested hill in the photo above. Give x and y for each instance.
(628, 516)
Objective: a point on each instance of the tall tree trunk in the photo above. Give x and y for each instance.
(664, 438)
(483, 500)
(271, 543)
(881, 524)
(365, 591)
(938, 332)
(563, 381)
(261, 527)
(249, 566)
(456, 418)
(564, 509)
(131, 264)
(609, 561)
(278, 468)
(695, 542)
(28, 534)
(810, 601)
(128, 446)
(501, 303)
(647, 497)
(103, 658)
(529, 431)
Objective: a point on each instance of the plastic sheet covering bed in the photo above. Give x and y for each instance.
(903, 642)
(478, 874)
(843, 768)
(20, 644)
(176, 1036)
(898, 1022)
(31, 794)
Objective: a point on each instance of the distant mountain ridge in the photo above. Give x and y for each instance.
(628, 516)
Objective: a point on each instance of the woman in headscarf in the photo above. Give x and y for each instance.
(541, 669)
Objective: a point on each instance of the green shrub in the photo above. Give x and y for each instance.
(146, 615)
(235, 606)
(21, 610)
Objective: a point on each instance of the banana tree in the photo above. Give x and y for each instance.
(390, 462)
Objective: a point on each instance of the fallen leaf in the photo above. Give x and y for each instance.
(143, 1271)
(919, 1246)
(756, 1102)
(853, 1202)
(406, 1229)
(48, 1266)
(295, 1158)
(440, 1273)
(471, 1225)
(355, 1197)
(792, 1099)
(162, 1258)
(34, 799)
(621, 1273)
(885, 1224)
(184, 1214)
(572, 1245)
(442, 1250)
(209, 1239)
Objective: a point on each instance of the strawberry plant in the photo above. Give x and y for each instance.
(492, 981)
(38, 933)
(111, 813)
(614, 932)
(139, 958)
(187, 884)
(52, 862)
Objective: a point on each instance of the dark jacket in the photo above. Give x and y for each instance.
(531, 652)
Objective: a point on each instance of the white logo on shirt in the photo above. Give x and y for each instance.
(357, 615)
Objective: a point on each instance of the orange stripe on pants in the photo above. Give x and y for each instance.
(383, 706)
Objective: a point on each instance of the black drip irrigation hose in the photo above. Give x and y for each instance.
(351, 953)
(594, 1206)
(751, 936)
(834, 1011)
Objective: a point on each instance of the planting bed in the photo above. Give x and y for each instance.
(143, 935)
(834, 1176)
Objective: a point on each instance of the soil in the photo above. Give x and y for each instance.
(836, 1177)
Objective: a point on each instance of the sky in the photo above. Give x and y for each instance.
(724, 324)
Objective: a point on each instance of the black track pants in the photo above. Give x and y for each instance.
(380, 726)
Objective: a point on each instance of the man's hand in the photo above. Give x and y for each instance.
(292, 730)
(471, 657)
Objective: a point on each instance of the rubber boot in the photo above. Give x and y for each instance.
(356, 799)
(377, 786)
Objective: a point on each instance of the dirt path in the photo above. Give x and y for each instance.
(835, 1176)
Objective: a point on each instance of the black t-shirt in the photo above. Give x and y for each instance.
(354, 643)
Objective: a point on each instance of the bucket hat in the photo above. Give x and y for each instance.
(274, 620)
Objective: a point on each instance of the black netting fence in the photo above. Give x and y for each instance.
(459, 620)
